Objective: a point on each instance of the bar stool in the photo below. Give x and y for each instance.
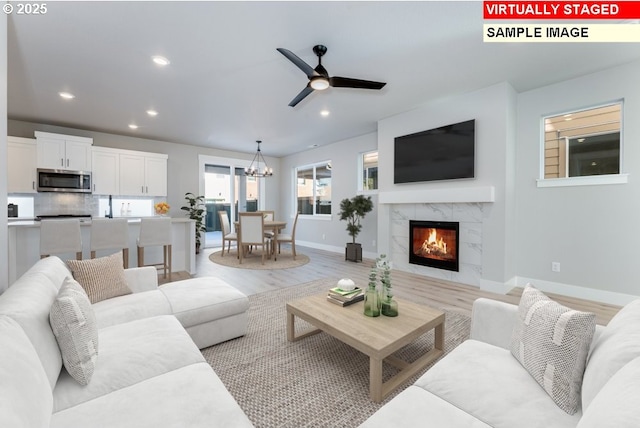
(110, 234)
(60, 237)
(156, 232)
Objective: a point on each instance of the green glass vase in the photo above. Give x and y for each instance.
(371, 302)
(389, 307)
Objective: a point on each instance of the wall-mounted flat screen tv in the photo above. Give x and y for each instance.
(444, 153)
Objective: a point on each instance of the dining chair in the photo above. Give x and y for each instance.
(110, 234)
(156, 231)
(227, 236)
(291, 238)
(60, 237)
(268, 216)
(251, 233)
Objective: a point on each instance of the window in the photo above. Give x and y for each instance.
(369, 171)
(583, 143)
(313, 189)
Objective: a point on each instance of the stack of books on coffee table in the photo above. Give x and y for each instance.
(345, 297)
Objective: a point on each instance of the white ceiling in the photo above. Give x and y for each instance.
(227, 86)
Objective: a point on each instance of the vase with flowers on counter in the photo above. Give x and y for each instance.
(162, 208)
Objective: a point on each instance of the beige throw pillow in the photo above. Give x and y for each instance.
(102, 278)
(74, 325)
(551, 342)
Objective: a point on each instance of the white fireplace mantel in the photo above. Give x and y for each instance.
(432, 196)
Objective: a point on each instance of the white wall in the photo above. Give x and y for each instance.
(4, 238)
(182, 166)
(492, 108)
(344, 181)
(593, 231)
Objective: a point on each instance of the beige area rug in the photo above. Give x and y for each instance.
(315, 382)
(254, 260)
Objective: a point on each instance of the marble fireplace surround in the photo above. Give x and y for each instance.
(467, 206)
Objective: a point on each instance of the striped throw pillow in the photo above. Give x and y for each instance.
(102, 278)
(74, 325)
(551, 342)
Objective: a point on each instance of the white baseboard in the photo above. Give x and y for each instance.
(602, 296)
(333, 249)
(496, 286)
(324, 247)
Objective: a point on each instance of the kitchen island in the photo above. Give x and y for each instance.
(24, 245)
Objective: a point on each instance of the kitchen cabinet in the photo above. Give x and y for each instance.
(21, 165)
(57, 151)
(143, 174)
(105, 174)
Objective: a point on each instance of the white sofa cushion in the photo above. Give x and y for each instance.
(131, 353)
(25, 393)
(74, 325)
(191, 396)
(131, 307)
(37, 289)
(551, 342)
(618, 344)
(416, 407)
(616, 405)
(487, 382)
(102, 278)
(200, 300)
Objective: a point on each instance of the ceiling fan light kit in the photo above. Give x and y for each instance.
(319, 78)
(319, 83)
(254, 170)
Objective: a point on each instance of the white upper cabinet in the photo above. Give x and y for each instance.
(143, 174)
(21, 165)
(105, 174)
(57, 151)
(155, 172)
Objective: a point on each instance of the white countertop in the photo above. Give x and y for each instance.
(86, 221)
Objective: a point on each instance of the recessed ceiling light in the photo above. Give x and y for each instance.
(133, 126)
(152, 112)
(324, 113)
(160, 60)
(313, 146)
(66, 95)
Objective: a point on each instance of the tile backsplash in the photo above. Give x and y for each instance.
(31, 205)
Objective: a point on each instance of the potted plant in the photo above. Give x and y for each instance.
(196, 212)
(353, 211)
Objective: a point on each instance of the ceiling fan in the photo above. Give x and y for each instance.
(319, 78)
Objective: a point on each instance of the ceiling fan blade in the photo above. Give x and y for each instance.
(301, 96)
(306, 68)
(345, 82)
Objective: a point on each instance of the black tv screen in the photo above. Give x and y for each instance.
(444, 153)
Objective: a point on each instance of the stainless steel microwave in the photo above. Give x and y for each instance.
(60, 180)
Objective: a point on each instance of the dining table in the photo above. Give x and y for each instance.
(274, 225)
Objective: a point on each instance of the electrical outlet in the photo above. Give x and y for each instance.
(555, 266)
(323, 236)
(373, 243)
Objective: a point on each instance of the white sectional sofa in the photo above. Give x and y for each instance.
(480, 383)
(148, 372)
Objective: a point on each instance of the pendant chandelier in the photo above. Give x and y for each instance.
(255, 170)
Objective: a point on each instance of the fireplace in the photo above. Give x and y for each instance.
(434, 244)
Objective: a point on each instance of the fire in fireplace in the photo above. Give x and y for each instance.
(434, 244)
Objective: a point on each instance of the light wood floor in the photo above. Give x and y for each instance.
(324, 264)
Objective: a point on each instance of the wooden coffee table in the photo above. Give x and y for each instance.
(377, 337)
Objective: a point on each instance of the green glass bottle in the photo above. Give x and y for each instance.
(371, 302)
(371, 298)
